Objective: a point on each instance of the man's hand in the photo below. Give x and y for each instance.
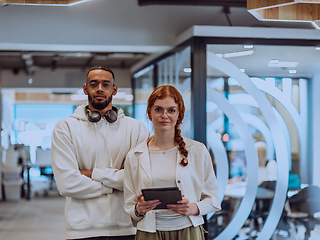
(87, 173)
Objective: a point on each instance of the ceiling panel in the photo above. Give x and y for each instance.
(14, 60)
(231, 3)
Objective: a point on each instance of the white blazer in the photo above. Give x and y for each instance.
(196, 181)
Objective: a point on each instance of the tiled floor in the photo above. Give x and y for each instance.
(42, 218)
(283, 235)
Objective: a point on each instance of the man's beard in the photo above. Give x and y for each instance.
(100, 105)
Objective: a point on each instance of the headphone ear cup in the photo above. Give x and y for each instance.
(93, 116)
(111, 115)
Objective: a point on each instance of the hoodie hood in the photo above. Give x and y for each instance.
(80, 113)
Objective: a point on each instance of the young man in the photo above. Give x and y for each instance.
(88, 152)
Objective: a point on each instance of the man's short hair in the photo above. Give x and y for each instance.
(101, 67)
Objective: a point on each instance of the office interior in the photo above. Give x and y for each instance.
(243, 81)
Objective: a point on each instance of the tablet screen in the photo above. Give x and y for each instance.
(166, 195)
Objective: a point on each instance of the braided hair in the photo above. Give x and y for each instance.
(170, 91)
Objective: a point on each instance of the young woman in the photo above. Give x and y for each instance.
(166, 159)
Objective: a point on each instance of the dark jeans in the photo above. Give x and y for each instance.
(128, 237)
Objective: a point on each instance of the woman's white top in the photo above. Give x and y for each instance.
(163, 172)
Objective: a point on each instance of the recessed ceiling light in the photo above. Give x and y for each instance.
(273, 63)
(78, 54)
(187, 70)
(248, 46)
(238, 54)
(242, 70)
(292, 71)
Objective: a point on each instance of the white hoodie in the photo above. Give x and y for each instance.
(94, 206)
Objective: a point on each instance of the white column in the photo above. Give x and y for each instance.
(0, 138)
(315, 115)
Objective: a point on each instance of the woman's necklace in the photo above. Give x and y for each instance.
(163, 151)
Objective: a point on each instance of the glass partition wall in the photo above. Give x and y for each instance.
(173, 70)
(241, 93)
(143, 82)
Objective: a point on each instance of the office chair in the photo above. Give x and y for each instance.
(306, 201)
(260, 210)
(285, 227)
(215, 225)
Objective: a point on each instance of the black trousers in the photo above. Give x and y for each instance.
(128, 237)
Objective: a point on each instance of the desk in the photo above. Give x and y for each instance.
(235, 193)
(238, 190)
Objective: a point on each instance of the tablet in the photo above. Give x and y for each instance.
(166, 196)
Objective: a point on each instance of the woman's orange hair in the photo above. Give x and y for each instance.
(170, 91)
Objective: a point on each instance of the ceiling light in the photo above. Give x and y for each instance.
(242, 70)
(238, 54)
(42, 3)
(234, 54)
(26, 56)
(248, 46)
(274, 61)
(318, 48)
(281, 64)
(187, 70)
(292, 71)
(125, 55)
(78, 54)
